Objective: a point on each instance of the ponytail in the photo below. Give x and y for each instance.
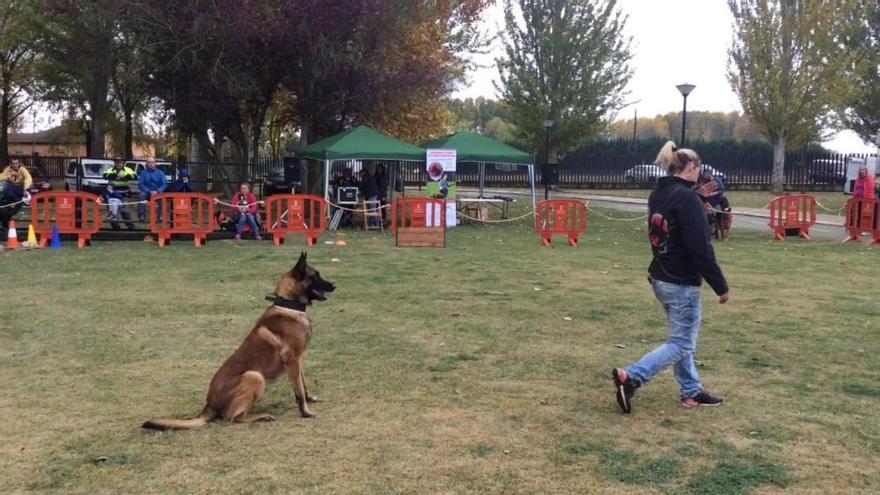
(674, 159)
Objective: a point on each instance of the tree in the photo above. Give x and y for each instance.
(17, 62)
(566, 61)
(704, 126)
(863, 112)
(77, 41)
(790, 66)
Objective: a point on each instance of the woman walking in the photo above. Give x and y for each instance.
(683, 257)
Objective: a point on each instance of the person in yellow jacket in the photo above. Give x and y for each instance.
(118, 178)
(15, 180)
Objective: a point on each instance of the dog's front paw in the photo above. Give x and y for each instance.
(313, 398)
(308, 414)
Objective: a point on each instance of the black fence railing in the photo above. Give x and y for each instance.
(803, 171)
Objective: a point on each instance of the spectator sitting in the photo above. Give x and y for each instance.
(115, 198)
(17, 181)
(151, 182)
(246, 204)
(182, 184)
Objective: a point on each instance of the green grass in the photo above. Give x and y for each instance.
(739, 199)
(479, 368)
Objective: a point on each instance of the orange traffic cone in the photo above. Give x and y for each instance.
(12, 237)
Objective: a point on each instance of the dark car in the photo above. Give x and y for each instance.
(41, 181)
(826, 171)
(275, 183)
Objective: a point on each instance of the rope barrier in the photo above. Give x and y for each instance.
(357, 209)
(506, 220)
(616, 219)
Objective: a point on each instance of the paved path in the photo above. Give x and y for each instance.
(827, 226)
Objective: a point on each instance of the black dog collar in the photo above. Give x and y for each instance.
(286, 303)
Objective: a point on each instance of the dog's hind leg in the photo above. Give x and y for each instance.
(248, 391)
(295, 374)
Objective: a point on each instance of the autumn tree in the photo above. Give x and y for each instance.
(17, 66)
(863, 112)
(790, 66)
(77, 42)
(566, 61)
(703, 126)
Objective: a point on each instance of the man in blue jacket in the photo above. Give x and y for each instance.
(151, 181)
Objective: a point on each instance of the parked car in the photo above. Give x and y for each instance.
(274, 183)
(827, 171)
(645, 173)
(41, 181)
(92, 170)
(140, 165)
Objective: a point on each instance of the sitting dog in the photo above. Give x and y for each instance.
(276, 344)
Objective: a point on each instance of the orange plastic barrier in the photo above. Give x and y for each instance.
(795, 212)
(410, 225)
(862, 215)
(296, 214)
(73, 212)
(182, 213)
(566, 217)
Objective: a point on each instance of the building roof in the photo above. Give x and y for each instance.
(56, 135)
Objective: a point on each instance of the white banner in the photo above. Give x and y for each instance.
(439, 162)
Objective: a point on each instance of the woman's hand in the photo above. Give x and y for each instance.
(723, 298)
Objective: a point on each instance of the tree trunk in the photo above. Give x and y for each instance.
(4, 132)
(779, 165)
(129, 134)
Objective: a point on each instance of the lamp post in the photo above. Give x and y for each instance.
(547, 125)
(685, 90)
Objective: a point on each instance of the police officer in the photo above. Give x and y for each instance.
(118, 178)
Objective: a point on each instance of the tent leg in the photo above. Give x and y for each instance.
(482, 177)
(534, 200)
(327, 183)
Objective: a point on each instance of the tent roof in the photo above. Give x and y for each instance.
(472, 147)
(362, 143)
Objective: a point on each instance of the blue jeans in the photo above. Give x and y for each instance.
(684, 312)
(247, 218)
(142, 207)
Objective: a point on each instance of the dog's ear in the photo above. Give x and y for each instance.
(299, 269)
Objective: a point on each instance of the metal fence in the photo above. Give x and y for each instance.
(612, 170)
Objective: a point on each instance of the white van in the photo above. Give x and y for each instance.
(92, 170)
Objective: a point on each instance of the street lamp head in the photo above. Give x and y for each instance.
(548, 124)
(685, 89)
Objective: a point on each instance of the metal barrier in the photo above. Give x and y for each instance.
(566, 217)
(304, 214)
(862, 216)
(182, 213)
(419, 222)
(792, 214)
(72, 212)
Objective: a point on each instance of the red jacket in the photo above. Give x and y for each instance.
(864, 187)
(248, 199)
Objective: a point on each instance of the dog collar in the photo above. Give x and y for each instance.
(286, 303)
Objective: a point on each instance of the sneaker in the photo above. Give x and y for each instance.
(702, 399)
(259, 238)
(626, 388)
(237, 237)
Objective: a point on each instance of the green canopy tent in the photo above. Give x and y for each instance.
(471, 147)
(360, 143)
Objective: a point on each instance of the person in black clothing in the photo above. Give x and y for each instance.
(683, 258)
(370, 189)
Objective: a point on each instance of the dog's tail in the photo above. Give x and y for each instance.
(202, 419)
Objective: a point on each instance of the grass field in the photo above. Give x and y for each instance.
(479, 368)
(738, 199)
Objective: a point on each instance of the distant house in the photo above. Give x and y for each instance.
(61, 141)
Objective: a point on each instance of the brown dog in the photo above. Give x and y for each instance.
(276, 344)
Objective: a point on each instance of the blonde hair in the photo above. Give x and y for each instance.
(674, 159)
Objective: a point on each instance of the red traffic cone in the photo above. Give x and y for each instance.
(12, 237)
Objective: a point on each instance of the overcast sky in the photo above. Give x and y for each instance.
(662, 58)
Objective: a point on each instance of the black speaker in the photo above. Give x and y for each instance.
(291, 169)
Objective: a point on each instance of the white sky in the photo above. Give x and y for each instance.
(662, 59)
